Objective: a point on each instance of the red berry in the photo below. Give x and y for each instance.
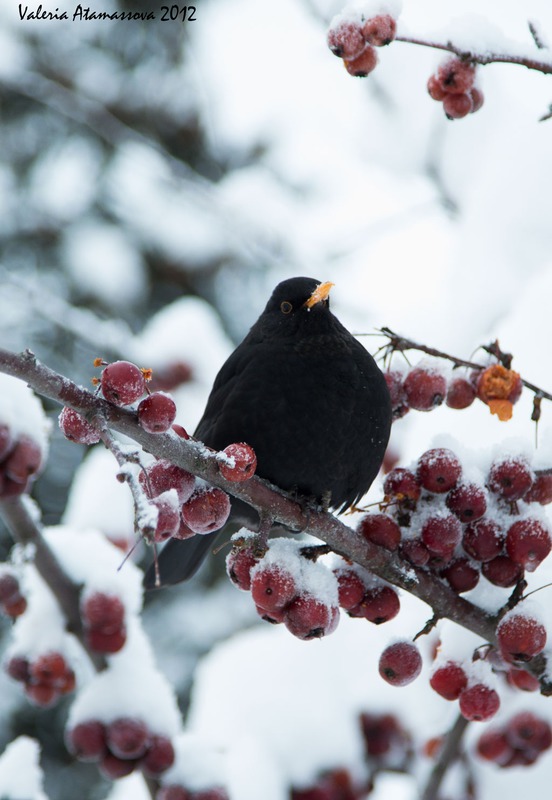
(540, 491)
(494, 746)
(168, 518)
(415, 551)
(239, 563)
(400, 663)
(274, 617)
(435, 89)
(502, 571)
(380, 30)
(528, 543)
(167, 378)
(455, 76)
(18, 669)
(48, 668)
(127, 738)
(76, 428)
(449, 680)
(483, 539)
(382, 735)
(156, 412)
(10, 488)
(102, 642)
(350, 587)
(378, 605)
(207, 510)
(122, 383)
(479, 702)
(381, 530)
(477, 99)
(399, 403)
(362, 65)
(183, 531)
(424, 388)
(309, 618)
(173, 792)
(239, 463)
(438, 470)
(510, 478)
(9, 587)
(460, 393)
(15, 607)
(114, 768)
(87, 740)
(526, 731)
(180, 431)
(523, 680)
(457, 106)
(345, 39)
(272, 587)
(403, 485)
(103, 612)
(461, 575)
(25, 460)
(441, 535)
(520, 637)
(6, 441)
(162, 475)
(43, 695)
(216, 793)
(468, 501)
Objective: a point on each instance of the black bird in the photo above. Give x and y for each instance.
(310, 400)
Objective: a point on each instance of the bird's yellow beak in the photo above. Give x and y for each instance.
(319, 294)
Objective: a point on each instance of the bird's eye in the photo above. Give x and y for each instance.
(286, 307)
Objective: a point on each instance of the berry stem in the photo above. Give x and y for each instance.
(447, 756)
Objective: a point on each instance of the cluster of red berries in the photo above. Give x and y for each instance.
(423, 388)
(518, 742)
(175, 791)
(46, 678)
(355, 40)
(120, 747)
(12, 602)
(285, 590)
(453, 85)
(461, 529)
(478, 701)
(20, 462)
(335, 784)
(103, 619)
(363, 595)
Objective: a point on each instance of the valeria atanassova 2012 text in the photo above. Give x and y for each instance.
(84, 13)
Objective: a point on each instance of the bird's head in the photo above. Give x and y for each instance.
(296, 305)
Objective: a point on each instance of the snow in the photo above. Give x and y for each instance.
(20, 773)
(22, 412)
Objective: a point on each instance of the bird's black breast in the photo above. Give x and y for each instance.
(315, 409)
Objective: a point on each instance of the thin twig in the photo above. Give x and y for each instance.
(448, 755)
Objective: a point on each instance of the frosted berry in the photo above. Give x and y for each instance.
(380, 30)
(456, 76)
(159, 757)
(309, 618)
(523, 680)
(75, 428)
(239, 464)
(25, 460)
(378, 605)
(477, 99)
(183, 531)
(122, 383)
(272, 587)
(162, 475)
(460, 393)
(435, 88)
(127, 737)
(461, 575)
(438, 470)
(380, 529)
(345, 39)
(540, 491)
(168, 518)
(362, 65)
(457, 106)
(467, 501)
(483, 539)
(104, 612)
(399, 403)
(275, 617)
(15, 607)
(425, 389)
(48, 668)
(239, 563)
(207, 510)
(494, 746)
(18, 669)
(520, 637)
(449, 680)
(114, 768)
(400, 663)
(102, 642)
(528, 543)
(479, 702)
(510, 478)
(441, 535)
(502, 571)
(402, 485)
(87, 740)
(351, 588)
(415, 551)
(156, 412)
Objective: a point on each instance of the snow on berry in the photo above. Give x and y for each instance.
(206, 510)
(237, 462)
(199, 765)
(521, 633)
(20, 771)
(75, 428)
(425, 386)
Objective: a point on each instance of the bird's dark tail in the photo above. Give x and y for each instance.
(179, 560)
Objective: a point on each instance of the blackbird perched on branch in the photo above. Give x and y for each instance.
(310, 400)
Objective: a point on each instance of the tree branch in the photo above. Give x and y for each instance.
(447, 757)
